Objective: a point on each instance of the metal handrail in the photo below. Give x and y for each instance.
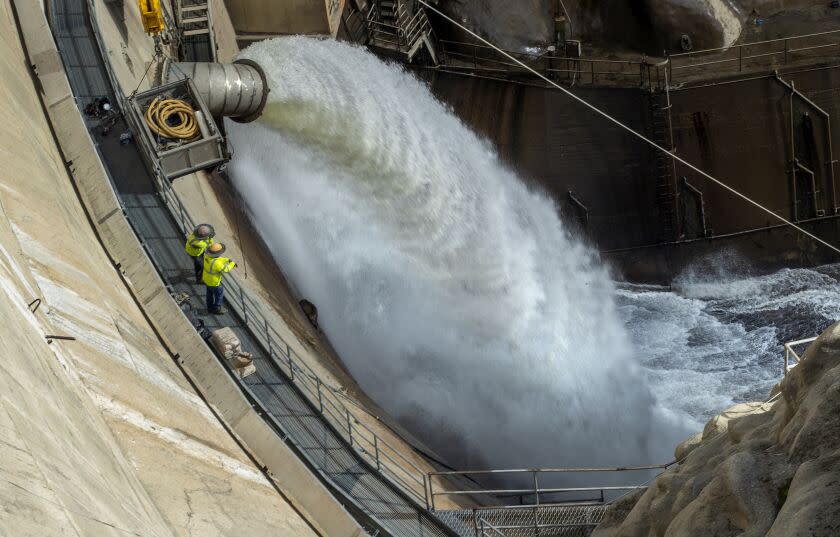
(531, 520)
(792, 359)
(483, 57)
(531, 55)
(643, 68)
(404, 33)
(555, 470)
(746, 52)
(383, 24)
(414, 23)
(536, 490)
(755, 43)
(299, 372)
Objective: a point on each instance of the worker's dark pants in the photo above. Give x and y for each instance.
(198, 263)
(215, 297)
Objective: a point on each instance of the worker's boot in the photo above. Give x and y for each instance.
(220, 311)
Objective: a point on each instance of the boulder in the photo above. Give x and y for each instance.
(756, 470)
(687, 446)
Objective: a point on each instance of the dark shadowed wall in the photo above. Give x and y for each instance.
(744, 133)
(559, 146)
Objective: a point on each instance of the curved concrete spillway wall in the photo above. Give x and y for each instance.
(325, 514)
(236, 90)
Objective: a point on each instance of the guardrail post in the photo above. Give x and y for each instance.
(536, 521)
(242, 299)
(318, 389)
(786, 51)
(349, 426)
(425, 489)
(642, 73)
(268, 338)
(740, 58)
(376, 452)
(432, 494)
(291, 364)
(784, 371)
(183, 218)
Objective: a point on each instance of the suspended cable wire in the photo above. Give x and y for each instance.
(630, 130)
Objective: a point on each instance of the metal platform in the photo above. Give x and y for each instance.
(179, 157)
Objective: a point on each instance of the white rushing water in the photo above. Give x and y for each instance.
(461, 304)
(453, 293)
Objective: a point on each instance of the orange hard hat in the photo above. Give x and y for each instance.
(214, 250)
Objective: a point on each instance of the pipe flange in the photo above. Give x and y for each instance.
(258, 112)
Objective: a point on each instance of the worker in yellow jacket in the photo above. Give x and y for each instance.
(214, 266)
(197, 242)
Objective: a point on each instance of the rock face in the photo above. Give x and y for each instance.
(756, 470)
(651, 26)
(642, 26)
(511, 25)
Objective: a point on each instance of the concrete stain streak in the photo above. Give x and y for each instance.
(179, 440)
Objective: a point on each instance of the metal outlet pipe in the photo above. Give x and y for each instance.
(236, 90)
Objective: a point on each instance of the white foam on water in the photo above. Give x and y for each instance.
(452, 292)
(715, 339)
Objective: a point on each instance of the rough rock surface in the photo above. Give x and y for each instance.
(511, 25)
(641, 26)
(757, 469)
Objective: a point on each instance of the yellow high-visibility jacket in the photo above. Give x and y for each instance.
(195, 246)
(214, 267)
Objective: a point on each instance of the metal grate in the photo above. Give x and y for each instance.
(526, 521)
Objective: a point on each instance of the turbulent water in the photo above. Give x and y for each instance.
(454, 294)
(715, 339)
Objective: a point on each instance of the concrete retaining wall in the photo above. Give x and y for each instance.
(558, 146)
(740, 132)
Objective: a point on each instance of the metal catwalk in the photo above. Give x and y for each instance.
(373, 499)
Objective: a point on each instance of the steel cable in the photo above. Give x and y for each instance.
(630, 130)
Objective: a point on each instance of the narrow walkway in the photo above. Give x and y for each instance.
(369, 496)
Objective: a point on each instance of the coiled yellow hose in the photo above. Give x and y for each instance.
(160, 110)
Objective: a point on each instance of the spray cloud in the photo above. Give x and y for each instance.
(451, 291)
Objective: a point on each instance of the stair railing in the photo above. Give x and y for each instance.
(404, 33)
(792, 358)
